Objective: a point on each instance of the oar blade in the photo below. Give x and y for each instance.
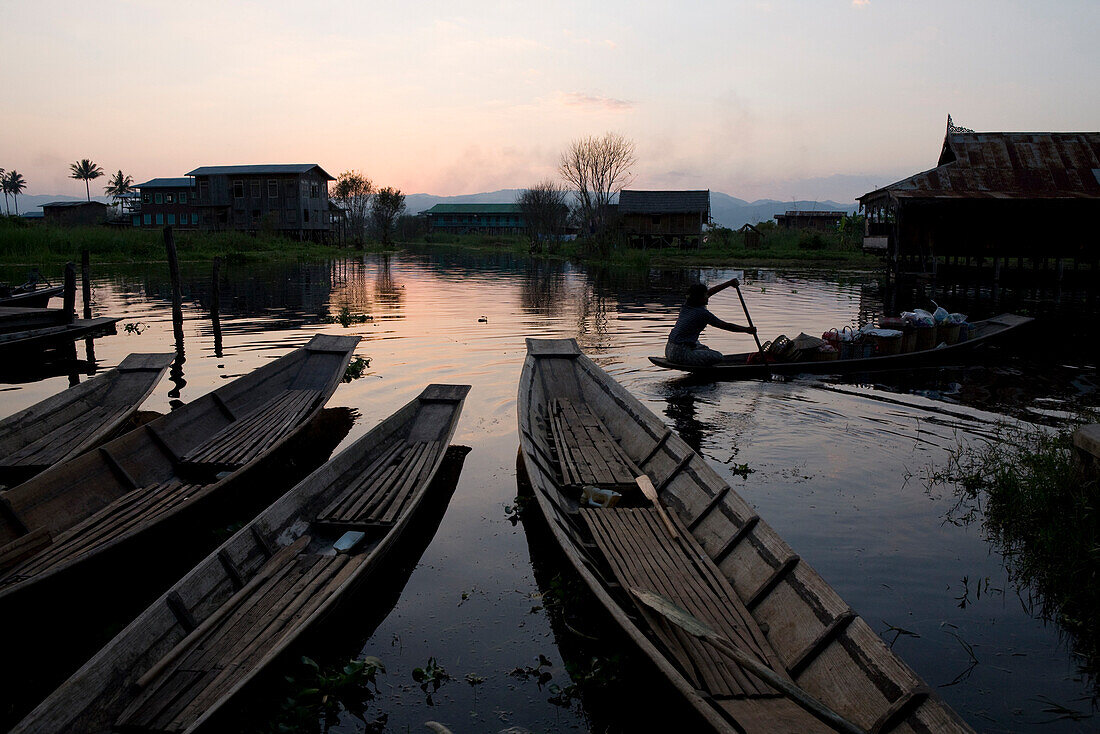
(674, 613)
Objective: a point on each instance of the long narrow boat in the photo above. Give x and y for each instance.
(714, 558)
(182, 660)
(32, 297)
(75, 420)
(32, 341)
(99, 502)
(739, 366)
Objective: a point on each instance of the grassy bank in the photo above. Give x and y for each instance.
(22, 243)
(790, 248)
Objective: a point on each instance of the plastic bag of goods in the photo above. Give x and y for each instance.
(918, 317)
(955, 318)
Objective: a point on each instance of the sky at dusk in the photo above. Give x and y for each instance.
(783, 100)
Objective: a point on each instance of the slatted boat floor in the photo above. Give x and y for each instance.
(642, 554)
(55, 445)
(231, 643)
(587, 452)
(119, 518)
(382, 491)
(250, 435)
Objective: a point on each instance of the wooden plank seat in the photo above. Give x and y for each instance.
(124, 515)
(229, 644)
(55, 445)
(587, 452)
(381, 492)
(642, 554)
(250, 435)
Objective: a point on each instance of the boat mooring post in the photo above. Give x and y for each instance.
(174, 275)
(86, 281)
(215, 307)
(69, 294)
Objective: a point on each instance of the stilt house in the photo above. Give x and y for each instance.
(992, 196)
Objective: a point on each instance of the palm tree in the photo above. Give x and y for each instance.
(118, 186)
(5, 188)
(14, 183)
(85, 170)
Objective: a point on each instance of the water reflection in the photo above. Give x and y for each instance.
(825, 459)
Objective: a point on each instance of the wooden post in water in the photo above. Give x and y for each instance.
(69, 306)
(86, 281)
(174, 275)
(215, 307)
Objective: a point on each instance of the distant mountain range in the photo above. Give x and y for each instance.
(726, 210)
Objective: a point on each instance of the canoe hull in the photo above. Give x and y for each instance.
(735, 367)
(822, 646)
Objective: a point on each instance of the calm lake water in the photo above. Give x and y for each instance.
(834, 465)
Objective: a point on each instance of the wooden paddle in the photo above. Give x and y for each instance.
(650, 492)
(759, 347)
(697, 628)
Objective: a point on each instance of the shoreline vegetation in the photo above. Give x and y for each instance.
(33, 245)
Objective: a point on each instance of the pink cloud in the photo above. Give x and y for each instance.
(579, 99)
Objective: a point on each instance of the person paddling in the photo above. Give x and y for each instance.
(683, 344)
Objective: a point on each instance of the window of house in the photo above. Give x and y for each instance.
(290, 189)
(183, 197)
(160, 219)
(159, 198)
(272, 189)
(291, 216)
(204, 189)
(255, 189)
(146, 198)
(194, 219)
(238, 189)
(305, 215)
(147, 218)
(136, 219)
(170, 198)
(171, 218)
(314, 192)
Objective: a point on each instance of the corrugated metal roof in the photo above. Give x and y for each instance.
(664, 202)
(1007, 166)
(474, 209)
(270, 168)
(806, 213)
(74, 203)
(167, 183)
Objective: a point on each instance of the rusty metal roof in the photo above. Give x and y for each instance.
(1007, 166)
(664, 202)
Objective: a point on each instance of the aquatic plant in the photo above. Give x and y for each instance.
(432, 675)
(315, 696)
(356, 368)
(1037, 505)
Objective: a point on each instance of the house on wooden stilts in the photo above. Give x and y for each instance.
(994, 200)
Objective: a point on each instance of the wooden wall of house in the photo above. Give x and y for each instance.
(1000, 228)
(663, 224)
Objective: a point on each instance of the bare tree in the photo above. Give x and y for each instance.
(387, 205)
(352, 191)
(597, 169)
(545, 209)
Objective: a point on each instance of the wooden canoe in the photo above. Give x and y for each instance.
(32, 297)
(185, 657)
(715, 558)
(75, 420)
(737, 366)
(29, 341)
(69, 514)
